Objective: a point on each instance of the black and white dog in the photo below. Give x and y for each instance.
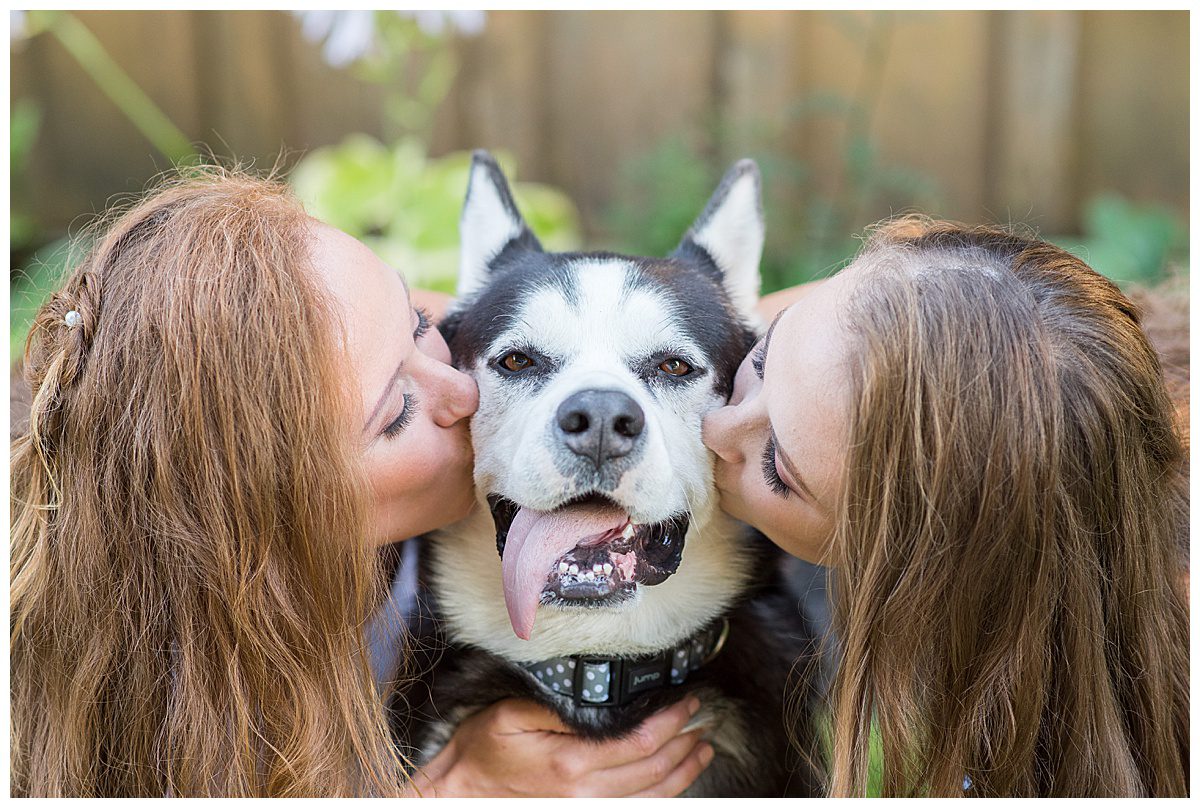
(619, 586)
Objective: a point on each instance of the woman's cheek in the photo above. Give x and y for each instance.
(808, 537)
(404, 473)
(740, 499)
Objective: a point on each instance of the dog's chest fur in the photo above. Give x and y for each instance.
(745, 691)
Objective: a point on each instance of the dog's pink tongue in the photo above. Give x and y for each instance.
(536, 540)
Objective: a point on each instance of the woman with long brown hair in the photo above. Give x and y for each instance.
(233, 408)
(971, 429)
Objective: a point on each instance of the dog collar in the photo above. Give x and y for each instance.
(598, 681)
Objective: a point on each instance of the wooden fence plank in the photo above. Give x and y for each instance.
(499, 101)
(1008, 113)
(919, 78)
(1032, 171)
(1133, 134)
(618, 83)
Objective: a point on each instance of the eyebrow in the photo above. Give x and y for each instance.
(387, 388)
(790, 467)
(762, 368)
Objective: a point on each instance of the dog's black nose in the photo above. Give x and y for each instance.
(600, 424)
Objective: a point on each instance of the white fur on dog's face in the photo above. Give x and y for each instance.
(598, 340)
(599, 322)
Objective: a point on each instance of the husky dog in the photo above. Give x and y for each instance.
(601, 579)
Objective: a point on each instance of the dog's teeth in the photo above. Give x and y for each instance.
(562, 568)
(597, 568)
(608, 568)
(627, 533)
(573, 569)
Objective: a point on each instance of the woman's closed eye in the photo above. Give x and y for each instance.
(758, 358)
(410, 401)
(403, 419)
(771, 473)
(423, 323)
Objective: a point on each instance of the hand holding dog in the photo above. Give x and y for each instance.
(517, 748)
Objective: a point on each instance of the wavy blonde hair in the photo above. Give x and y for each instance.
(1008, 553)
(190, 576)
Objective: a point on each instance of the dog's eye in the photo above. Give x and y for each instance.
(516, 362)
(675, 367)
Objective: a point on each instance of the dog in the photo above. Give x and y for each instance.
(600, 577)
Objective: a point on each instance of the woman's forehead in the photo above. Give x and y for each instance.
(372, 302)
(806, 379)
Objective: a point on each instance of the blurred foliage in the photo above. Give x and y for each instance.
(43, 272)
(661, 192)
(113, 82)
(1132, 243)
(395, 198)
(405, 205)
(32, 285)
(810, 229)
(415, 67)
(23, 125)
(809, 235)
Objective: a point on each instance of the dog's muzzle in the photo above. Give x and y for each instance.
(607, 569)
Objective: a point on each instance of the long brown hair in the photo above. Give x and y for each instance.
(190, 573)
(1008, 551)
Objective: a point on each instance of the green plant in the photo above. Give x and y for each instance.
(32, 285)
(661, 191)
(22, 132)
(416, 69)
(405, 205)
(810, 230)
(406, 53)
(392, 195)
(1131, 243)
(44, 271)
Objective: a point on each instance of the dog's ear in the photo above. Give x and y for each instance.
(729, 234)
(490, 222)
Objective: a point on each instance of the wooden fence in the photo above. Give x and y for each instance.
(1012, 115)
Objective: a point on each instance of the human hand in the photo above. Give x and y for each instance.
(518, 748)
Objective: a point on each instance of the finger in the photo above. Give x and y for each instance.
(631, 778)
(513, 716)
(651, 734)
(684, 775)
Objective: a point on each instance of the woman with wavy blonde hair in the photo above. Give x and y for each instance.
(971, 429)
(233, 408)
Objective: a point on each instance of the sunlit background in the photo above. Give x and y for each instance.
(617, 125)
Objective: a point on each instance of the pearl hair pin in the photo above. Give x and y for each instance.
(73, 318)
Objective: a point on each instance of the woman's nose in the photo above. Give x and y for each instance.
(456, 395)
(718, 431)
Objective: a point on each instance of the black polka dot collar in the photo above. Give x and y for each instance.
(597, 681)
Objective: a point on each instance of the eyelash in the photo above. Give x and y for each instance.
(422, 323)
(759, 359)
(771, 473)
(410, 402)
(403, 419)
